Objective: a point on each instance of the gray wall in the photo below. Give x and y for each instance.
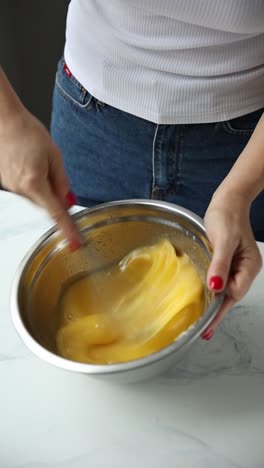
(32, 34)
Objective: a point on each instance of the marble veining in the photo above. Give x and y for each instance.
(234, 351)
(190, 453)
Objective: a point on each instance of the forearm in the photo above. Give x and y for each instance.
(10, 104)
(246, 178)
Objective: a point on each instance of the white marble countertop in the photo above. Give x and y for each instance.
(208, 412)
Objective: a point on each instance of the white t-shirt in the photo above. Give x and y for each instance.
(170, 61)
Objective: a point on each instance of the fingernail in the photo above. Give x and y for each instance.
(71, 199)
(74, 245)
(208, 335)
(216, 283)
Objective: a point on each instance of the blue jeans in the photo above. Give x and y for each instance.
(112, 155)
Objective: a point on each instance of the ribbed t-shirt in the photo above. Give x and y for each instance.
(170, 61)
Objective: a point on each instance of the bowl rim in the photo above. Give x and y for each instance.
(183, 340)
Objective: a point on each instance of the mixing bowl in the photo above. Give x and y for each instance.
(110, 230)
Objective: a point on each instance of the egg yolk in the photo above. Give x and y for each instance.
(131, 310)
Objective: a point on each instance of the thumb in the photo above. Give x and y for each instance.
(46, 198)
(58, 178)
(218, 272)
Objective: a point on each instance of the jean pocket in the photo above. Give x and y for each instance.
(244, 125)
(70, 88)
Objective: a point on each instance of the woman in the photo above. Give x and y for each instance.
(154, 99)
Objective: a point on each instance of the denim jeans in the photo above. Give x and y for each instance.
(112, 155)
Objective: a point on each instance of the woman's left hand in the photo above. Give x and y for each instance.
(236, 258)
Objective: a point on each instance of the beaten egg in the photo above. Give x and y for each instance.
(131, 310)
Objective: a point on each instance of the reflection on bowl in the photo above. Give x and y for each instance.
(110, 231)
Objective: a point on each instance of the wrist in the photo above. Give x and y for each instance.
(232, 198)
(246, 187)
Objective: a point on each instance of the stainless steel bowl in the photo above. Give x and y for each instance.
(110, 230)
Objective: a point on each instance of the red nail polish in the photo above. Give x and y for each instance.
(74, 245)
(71, 199)
(208, 335)
(216, 283)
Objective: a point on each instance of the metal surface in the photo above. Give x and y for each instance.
(111, 230)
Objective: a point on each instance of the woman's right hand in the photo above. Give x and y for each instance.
(31, 165)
